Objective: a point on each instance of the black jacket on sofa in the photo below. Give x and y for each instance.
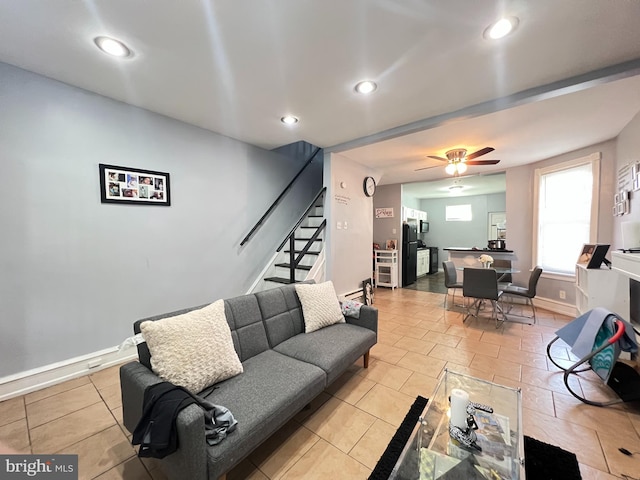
(156, 430)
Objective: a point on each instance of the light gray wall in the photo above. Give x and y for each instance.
(411, 202)
(520, 187)
(349, 249)
(443, 234)
(75, 273)
(627, 151)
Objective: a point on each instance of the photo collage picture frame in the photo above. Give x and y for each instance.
(134, 186)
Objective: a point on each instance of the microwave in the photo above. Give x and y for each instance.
(424, 226)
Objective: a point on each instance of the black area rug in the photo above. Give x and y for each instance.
(542, 461)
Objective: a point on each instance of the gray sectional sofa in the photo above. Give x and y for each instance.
(284, 369)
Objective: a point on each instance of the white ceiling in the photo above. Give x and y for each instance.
(235, 67)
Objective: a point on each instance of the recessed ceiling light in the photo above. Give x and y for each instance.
(365, 87)
(112, 46)
(289, 120)
(501, 28)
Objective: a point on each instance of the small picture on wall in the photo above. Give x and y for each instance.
(133, 186)
(392, 244)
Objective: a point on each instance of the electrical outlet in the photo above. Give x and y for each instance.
(96, 362)
(393, 231)
(563, 295)
(339, 225)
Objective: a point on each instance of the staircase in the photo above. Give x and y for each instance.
(302, 249)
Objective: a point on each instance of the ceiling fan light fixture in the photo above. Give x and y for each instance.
(365, 87)
(501, 28)
(112, 47)
(455, 168)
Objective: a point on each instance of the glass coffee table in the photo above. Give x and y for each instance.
(431, 453)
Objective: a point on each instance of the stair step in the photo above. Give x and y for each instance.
(307, 239)
(299, 267)
(300, 251)
(315, 216)
(286, 281)
(314, 228)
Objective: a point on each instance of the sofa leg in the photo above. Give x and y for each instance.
(366, 359)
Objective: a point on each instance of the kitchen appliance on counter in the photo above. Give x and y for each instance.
(409, 253)
(497, 245)
(421, 244)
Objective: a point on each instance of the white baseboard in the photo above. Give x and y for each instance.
(547, 304)
(555, 306)
(42, 377)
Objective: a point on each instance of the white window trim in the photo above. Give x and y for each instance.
(594, 160)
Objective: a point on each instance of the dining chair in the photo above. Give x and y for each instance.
(504, 279)
(450, 281)
(481, 284)
(528, 292)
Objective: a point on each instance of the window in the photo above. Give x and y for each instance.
(566, 196)
(458, 213)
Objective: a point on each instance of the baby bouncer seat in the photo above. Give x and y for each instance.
(597, 337)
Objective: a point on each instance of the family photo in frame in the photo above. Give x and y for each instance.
(133, 186)
(593, 255)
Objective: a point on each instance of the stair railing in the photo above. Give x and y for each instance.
(277, 200)
(294, 260)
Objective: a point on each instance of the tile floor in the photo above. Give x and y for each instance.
(349, 425)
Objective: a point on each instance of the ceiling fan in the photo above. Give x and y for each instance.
(458, 160)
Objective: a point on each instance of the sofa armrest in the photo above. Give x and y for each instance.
(368, 318)
(190, 460)
(134, 379)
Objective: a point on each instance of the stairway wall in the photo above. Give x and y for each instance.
(76, 273)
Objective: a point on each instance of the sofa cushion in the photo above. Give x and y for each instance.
(320, 305)
(193, 350)
(272, 389)
(247, 329)
(333, 348)
(281, 313)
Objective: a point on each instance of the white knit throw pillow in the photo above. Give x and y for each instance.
(320, 306)
(193, 350)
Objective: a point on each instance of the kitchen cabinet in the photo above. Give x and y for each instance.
(386, 268)
(423, 262)
(412, 213)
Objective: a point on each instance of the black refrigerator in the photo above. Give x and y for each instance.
(409, 253)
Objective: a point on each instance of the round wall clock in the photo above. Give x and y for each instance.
(369, 186)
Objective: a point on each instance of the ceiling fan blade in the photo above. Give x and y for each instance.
(427, 168)
(479, 153)
(438, 158)
(482, 162)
